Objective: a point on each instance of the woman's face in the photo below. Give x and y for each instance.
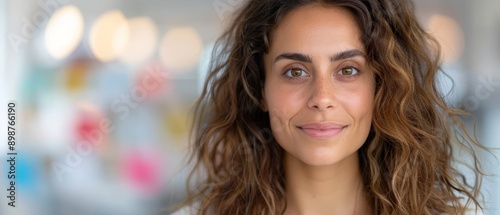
(319, 90)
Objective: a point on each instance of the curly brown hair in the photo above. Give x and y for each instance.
(407, 160)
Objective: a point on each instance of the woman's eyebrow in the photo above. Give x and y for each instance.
(306, 58)
(347, 54)
(294, 56)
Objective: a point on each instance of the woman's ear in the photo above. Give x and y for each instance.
(263, 102)
(263, 105)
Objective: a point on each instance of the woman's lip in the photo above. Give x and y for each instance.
(321, 125)
(321, 133)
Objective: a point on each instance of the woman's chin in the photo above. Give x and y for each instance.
(320, 158)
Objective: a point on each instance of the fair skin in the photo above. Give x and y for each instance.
(319, 93)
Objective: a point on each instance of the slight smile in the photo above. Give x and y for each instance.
(321, 130)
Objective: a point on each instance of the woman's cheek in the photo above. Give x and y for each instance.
(277, 124)
(283, 103)
(358, 98)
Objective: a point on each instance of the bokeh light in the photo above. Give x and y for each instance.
(64, 31)
(142, 41)
(109, 35)
(181, 49)
(450, 36)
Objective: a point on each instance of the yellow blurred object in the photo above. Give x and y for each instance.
(76, 76)
(176, 123)
(109, 35)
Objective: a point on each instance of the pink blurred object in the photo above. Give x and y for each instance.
(92, 127)
(86, 125)
(153, 79)
(142, 169)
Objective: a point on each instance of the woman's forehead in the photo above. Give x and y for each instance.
(315, 29)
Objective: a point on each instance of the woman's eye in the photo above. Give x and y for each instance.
(296, 72)
(348, 71)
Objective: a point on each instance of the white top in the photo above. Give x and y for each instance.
(191, 210)
(188, 210)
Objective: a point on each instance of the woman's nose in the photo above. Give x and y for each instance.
(322, 95)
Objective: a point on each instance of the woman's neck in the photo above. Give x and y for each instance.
(335, 189)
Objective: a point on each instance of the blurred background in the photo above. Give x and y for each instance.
(104, 93)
